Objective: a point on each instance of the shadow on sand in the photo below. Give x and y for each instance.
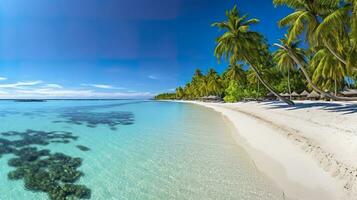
(344, 108)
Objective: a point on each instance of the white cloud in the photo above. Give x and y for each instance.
(51, 93)
(102, 86)
(53, 86)
(3, 78)
(38, 89)
(152, 77)
(19, 85)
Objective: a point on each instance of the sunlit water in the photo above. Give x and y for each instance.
(157, 150)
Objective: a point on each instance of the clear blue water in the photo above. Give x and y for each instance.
(138, 150)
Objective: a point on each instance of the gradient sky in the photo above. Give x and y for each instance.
(113, 48)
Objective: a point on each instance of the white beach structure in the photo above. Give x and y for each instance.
(349, 92)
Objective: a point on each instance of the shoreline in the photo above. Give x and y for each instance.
(308, 158)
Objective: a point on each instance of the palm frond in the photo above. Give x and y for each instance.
(297, 27)
(295, 4)
(334, 24)
(290, 19)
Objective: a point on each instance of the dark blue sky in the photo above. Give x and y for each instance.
(113, 48)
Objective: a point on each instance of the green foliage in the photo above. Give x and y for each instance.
(330, 27)
(329, 73)
(166, 96)
(235, 93)
(232, 92)
(297, 83)
(329, 56)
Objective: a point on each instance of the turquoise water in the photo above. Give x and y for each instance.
(137, 150)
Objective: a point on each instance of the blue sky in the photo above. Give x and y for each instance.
(113, 48)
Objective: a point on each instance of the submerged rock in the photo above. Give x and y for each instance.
(93, 119)
(41, 170)
(83, 148)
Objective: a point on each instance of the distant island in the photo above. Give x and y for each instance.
(30, 100)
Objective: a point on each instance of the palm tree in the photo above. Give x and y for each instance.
(180, 93)
(333, 32)
(196, 83)
(235, 72)
(238, 43)
(338, 33)
(305, 18)
(352, 56)
(214, 83)
(301, 63)
(313, 18)
(324, 22)
(188, 91)
(284, 61)
(328, 70)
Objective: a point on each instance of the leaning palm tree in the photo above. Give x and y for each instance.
(321, 22)
(284, 61)
(301, 63)
(238, 43)
(324, 22)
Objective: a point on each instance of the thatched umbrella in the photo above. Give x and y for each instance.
(294, 94)
(313, 95)
(304, 93)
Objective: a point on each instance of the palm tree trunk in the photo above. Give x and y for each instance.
(335, 86)
(258, 88)
(257, 96)
(287, 101)
(289, 83)
(314, 87)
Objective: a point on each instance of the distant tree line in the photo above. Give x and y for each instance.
(235, 84)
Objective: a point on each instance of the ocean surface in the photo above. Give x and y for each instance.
(123, 149)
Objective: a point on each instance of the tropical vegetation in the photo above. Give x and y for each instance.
(318, 52)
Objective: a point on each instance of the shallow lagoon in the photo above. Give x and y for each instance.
(136, 150)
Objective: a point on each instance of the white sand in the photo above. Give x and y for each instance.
(310, 151)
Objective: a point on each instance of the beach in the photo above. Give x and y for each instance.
(308, 150)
